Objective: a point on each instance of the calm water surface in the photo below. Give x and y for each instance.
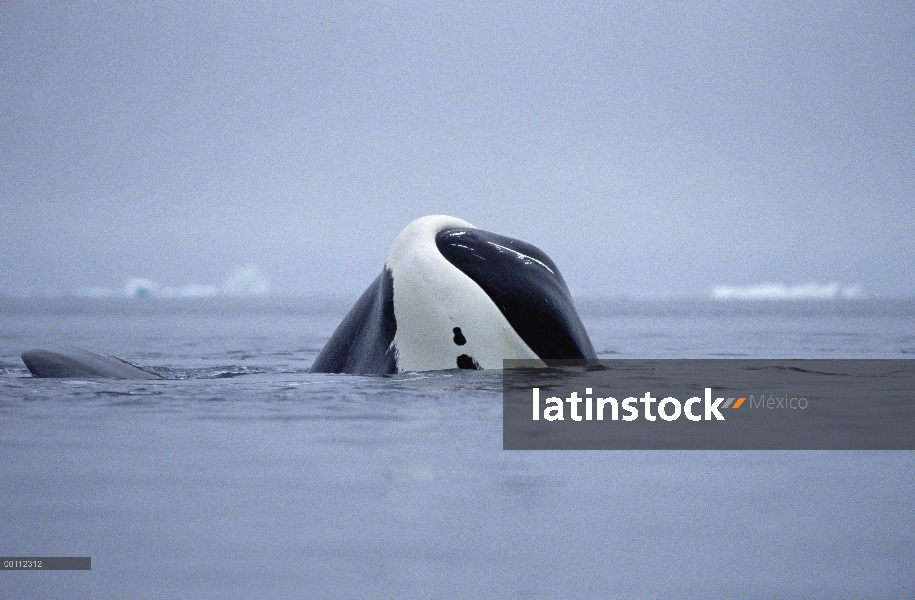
(245, 476)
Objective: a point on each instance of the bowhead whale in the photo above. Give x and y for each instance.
(71, 361)
(452, 296)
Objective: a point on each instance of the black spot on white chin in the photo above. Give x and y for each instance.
(459, 338)
(466, 362)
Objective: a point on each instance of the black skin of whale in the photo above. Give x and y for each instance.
(361, 344)
(74, 362)
(522, 281)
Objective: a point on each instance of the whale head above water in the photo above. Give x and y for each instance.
(453, 296)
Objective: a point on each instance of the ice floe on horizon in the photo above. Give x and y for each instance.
(245, 280)
(780, 291)
(190, 290)
(138, 287)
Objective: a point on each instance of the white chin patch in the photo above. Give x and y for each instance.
(444, 319)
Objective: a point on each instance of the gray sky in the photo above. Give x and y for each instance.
(656, 149)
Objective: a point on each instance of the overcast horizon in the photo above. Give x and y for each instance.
(651, 150)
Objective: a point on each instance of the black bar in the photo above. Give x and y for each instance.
(46, 563)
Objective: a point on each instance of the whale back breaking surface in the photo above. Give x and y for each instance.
(74, 362)
(525, 285)
(362, 343)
